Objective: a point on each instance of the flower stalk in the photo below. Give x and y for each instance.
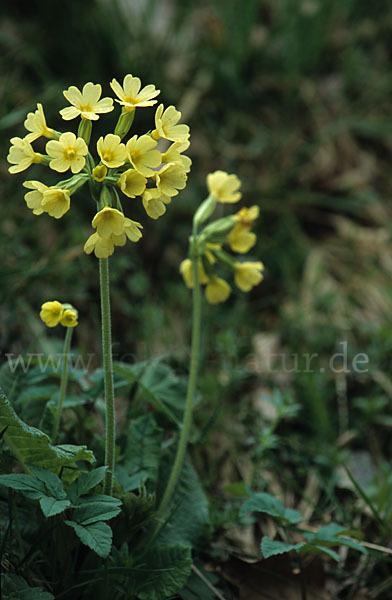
(63, 383)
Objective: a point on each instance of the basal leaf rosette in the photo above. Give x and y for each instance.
(149, 166)
(209, 245)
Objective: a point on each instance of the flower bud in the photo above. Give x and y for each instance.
(204, 211)
(217, 231)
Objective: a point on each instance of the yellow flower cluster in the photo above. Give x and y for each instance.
(53, 312)
(144, 166)
(234, 230)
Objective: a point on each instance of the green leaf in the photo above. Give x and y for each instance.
(30, 486)
(84, 483)
(16, 588)
(273, 547)
(97, 508)
(169, 568)
(331, 535)
(53, 484)
(188, 509)
(31, 445)
(97, 536)
(143, 448)
(51, 506)
(266, 503)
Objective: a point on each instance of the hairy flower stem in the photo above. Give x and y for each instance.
(193, 370)
(63, 383)
(108, 375)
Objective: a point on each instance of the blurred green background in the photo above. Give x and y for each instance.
(294, 96)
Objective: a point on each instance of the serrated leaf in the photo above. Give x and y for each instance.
(29, 485)
(265, 503)
(31, 445)
(97, 508)
(188, 508)
(331, 535)
(169, 568)
(14, 587)
(274, 547)
(97, 536)
(52, 506)
(53, 484)
(84, 483)
(143, 448)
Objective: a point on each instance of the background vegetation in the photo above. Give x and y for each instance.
(294, 97)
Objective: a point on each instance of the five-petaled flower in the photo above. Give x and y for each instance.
(240, 238)
(21, 155)
(166, 125)
(130, 94)
(51, 313)
(111, 151)
(36, 123)
(224, 187)
(142, 154)
(67, 153)
(248, 274)
(86, 103)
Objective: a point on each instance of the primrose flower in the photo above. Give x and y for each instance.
(248, 274)
(36, 124)
(108, 221)
(166, 125)
(102, 247)
(170, 178)
(173, 155)
(67, 153)
(56, 202)
(186, 270)
(100, 172)
(130, 94)
(141, 154)
(111, 151)
(21, 155)
(154, 203)
(224, 187)
(85, 103)
(51, 313)
(69, 318)
(132, 183)
(240, 238)
(217, 290)
(34, 199)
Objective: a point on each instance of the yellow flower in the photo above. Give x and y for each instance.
(22, 155)
(99, 173)
(56, 202)
(240, 238)
(51, 313)
(248, 274)
(142, 155)
(154, 203)
(130, 94)
(186, 270)
(132, 230)
(111, 151)
(102, 247)
(68, 152)
(170, 178)
(34, 199)
(166, 125)
(132, 183)
(85, 103)
(108, 221)
(173, 155)
(224, 187)
(36, 124)
(69, 318)
(217, 290)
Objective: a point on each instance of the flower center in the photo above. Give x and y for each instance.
(70, 153)
(86, 108)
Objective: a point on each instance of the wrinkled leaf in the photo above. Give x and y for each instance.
(169, 568)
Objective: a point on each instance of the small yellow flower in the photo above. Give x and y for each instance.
(36, 124)
(86, 103)
(166, 125)
(51, 313)
(132, 183)
(34, 199)
(248, 274)
(240, 238)
(154, 203)
(130, 94)
(186, 270)
(21, 155)
(69, 318)
(173, 155)
(132, 230)
(142, 155)
(170, 178)
(68, 152)
(56, 202)
(102, 247)
(111, 151)
(217, 290)
(108, 221)
(99, 173)
(224, 187)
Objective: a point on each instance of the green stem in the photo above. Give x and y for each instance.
(63, 383)
(110, 442)
(193, 369)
